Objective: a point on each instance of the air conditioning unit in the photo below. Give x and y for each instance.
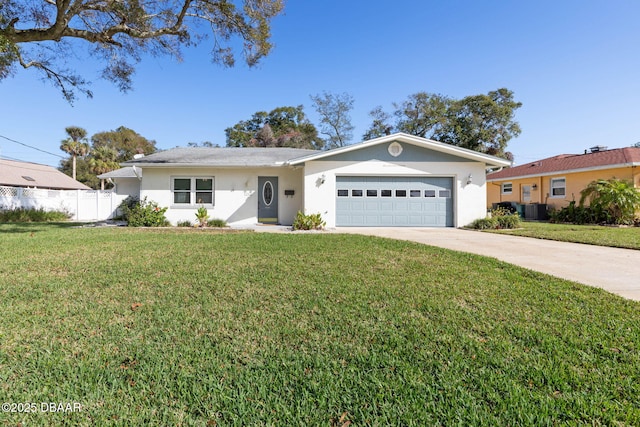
(598, 148)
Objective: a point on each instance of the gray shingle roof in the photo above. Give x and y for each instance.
(221, 157)
(411, 139)
(24, 174)
(127, 172)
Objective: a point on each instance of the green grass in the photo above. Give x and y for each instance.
(619, 237)
(193, 327)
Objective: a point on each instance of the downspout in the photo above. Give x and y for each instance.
(135, 172)
(539, 189)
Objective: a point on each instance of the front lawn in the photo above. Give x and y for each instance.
(193, 327)
(619, 237)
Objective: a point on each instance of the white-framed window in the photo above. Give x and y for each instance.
(193, 190)
(506, 188)
(558, 187)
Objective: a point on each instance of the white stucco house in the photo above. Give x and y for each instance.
(393, 181)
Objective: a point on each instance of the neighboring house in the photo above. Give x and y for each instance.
(395, 180)
(32, 175)
(558, 180)
(126, 180)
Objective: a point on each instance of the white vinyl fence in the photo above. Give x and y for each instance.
(82, 205)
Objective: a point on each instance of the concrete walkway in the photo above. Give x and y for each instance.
(615, 270)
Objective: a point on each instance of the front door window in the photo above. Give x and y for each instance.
(267, 193)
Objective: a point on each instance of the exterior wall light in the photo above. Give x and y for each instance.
(469, 179)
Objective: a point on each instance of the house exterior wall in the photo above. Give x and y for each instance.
(469, 199)
(127, 186)
(235, 193)
(575, 183)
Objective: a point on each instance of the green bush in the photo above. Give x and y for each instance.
(505, 218)
(308, 222)
(612, 201)
(484, 224)
(144, 214)
(32, 215)
(501, 218)
(574, 214)
(508, 221)
(185, 223)
(217, 222)
(128, 204)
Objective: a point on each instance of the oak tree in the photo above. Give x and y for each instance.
(380, 125)
(281, 127)
(125, 142)
(484, 123)
(44, 34)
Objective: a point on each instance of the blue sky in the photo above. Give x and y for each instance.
(574, 65)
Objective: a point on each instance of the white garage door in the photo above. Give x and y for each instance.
(394, 201)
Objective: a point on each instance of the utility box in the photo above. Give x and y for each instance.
(536, 212)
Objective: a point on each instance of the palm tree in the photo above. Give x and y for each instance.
(103, 160)
(75, 145)
(613, 200)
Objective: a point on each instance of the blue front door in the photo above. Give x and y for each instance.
(268, 199)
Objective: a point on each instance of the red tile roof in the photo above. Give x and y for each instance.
(618, 157)
(24, 174)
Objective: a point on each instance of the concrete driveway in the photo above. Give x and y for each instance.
(615, 270)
